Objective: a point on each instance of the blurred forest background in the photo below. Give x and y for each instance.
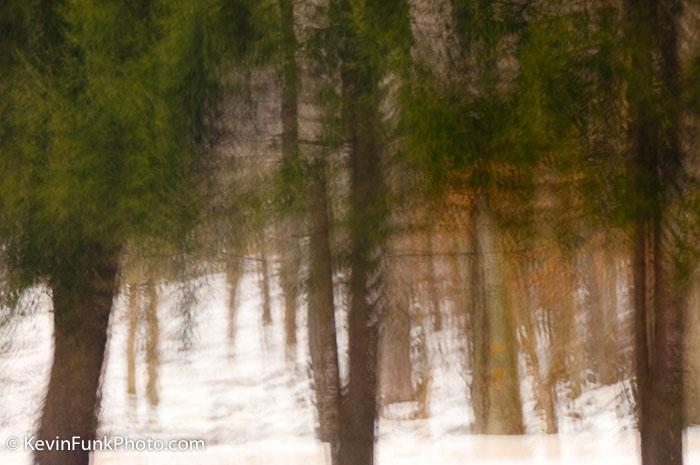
(501, 190)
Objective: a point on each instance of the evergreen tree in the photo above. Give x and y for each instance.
(108, 120)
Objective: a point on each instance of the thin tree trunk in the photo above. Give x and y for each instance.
(478, 324)
(641, 275)
(152, 342)
(323, 346)
(289, 277)
(433, 294)
(395, 352)
(234, 270)
(421, 364)
(81, 317)
(290, 254)
(133, 311)
(595, 322)
(264, 273)
(606, 269)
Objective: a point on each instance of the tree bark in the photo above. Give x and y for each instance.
(81, 318)
(323, 346)
(659, 361)
(359, 81)
(495, 386)
(505, 406)
(660, 292)
(289, 253)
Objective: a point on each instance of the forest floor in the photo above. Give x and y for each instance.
(252, 404)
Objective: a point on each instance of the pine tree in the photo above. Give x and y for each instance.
(109, 113)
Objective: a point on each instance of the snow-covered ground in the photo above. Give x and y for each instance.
(252, 405)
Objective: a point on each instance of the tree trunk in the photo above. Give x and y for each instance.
(367, 222)
(692, 365)
(495, 378)
(133, 311)
(360, 403)
(612, 364)
(659, 353)
(395, 352)
(323, 346)
(595, 323)
(641, 276)
(289, 277)
(505, 407)
(478, 334)
(422, 375)
(234, 270)
(660, 292)
(81, 317)
(152, 342)
(264, 273)
(289, 253)
(431, 278)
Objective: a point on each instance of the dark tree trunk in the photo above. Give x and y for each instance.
(692, 364)
(360, 403)
(290, 253)
(659, 336)
(81, 317)
(323, 346)
(659, 345)
(660, 293)
(367, 216)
